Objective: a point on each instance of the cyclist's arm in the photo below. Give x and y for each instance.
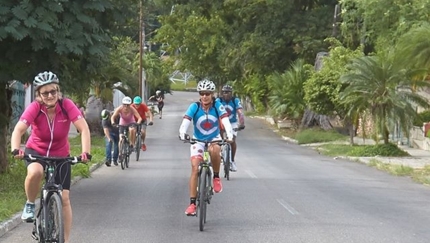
(82, 127)
(241, 116)
(227, 127)
(18, 131)
(184, 126)
(115, 114)
(136, 114)
(149, 113)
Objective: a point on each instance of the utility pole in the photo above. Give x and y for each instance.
(141, 41)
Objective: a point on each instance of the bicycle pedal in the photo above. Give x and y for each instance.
(34, 235)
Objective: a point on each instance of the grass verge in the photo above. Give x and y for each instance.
(12, 195)
(180, 86)
(386, 150)
(318, 136)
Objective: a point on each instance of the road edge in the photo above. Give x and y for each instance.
(15, 220)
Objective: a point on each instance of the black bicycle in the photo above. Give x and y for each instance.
(124, 147)
(48, 226)
(226, 155)
(205, 187)
(138, 142)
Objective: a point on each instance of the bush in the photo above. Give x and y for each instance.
(421, 118)
(387, 150)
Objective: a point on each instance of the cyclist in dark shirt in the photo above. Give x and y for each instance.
(112, 137)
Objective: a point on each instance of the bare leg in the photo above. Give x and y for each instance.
(32, 181)
(67, 213)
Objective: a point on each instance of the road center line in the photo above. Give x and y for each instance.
(287, 206)
(252, 175)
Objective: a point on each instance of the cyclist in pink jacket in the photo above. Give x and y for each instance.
(50, 117)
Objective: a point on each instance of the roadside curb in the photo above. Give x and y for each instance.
(15, 220)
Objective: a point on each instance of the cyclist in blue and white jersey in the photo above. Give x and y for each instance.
(207, 116)
(234, 109)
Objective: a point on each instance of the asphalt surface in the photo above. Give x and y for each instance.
(282, 192)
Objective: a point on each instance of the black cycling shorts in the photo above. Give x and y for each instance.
(63, 174)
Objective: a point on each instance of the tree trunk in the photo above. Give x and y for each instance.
(311, 119)
(5, 114)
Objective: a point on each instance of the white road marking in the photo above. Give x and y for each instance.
(287, 207)
(252, 175)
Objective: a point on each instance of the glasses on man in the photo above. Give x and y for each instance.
(52, 92)
(226, 92)
(205, 93)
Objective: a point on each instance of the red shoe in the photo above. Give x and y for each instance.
(217, 185)
(143, 147)
(191, 210)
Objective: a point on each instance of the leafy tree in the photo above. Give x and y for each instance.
(51, 35)
(323, 87)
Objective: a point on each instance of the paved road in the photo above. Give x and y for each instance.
(281, 193)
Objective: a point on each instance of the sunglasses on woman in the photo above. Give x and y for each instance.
(46, 94)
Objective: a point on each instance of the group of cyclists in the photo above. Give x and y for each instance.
(131, 115)
(209, 116)
(50, 116)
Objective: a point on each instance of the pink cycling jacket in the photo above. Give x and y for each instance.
(50, 139)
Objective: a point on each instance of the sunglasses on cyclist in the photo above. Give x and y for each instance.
(205, 93)
(46, 94)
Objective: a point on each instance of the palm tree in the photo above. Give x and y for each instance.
(286, 98)
(379, 86)
(413, 48)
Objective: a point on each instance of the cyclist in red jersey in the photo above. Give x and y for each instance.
(144, 112)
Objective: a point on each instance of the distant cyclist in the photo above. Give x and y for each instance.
(49, 116)
(144, 112)
(234, 109)
(206, 116)
(126, 113)
(159, 97)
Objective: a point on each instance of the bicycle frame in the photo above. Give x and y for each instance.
(50, 190)
(204, 181)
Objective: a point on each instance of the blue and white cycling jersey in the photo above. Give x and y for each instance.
(231, 107)
(206, 126)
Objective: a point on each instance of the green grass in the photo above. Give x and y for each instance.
(386, 150)
(318, 136)
(393, 169)
(12, 195)
(180, 86)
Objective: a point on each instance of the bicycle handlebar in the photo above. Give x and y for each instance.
(189, 139)
(72, 160)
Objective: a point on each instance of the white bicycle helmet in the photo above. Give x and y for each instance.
(126, 100)
(45, 78)
(206, 85)
(158, 92)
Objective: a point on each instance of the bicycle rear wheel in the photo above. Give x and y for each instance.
(137, 146)
(54, 228)
(202, 198)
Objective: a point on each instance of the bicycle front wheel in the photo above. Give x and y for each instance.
(137, 147)
(226, 156)
(53, 223)
(203, 190)
(123, 153)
